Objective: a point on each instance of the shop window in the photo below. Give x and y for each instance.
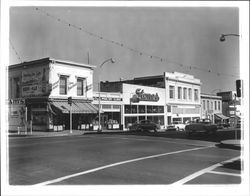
(142, 118)
(160, 109)
(142, 109)
(171, 92)
(134, 109)
(184, 93)
(127, 109)
(196, 95)
(80, 86)
(186, 120)
(149, 109)
(129, 121)
(177, 120)
(179, 93)
(63, 85)
(190, 94)
(155, 109)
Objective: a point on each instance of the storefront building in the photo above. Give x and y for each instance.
(212, 108)
(138, 103)
(231, 107)
(111, 109)
(46, 86)
(182, 97)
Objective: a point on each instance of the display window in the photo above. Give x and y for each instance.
(142, 109)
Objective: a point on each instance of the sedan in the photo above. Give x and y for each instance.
(144, 125)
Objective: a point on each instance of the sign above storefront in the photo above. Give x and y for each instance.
(141, 96)
(108, 98)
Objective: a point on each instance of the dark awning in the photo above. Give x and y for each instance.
(77, 107)
(223, 117)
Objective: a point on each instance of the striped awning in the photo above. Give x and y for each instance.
(221, 116)
(76, 107)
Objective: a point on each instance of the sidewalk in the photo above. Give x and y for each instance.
(59, 133)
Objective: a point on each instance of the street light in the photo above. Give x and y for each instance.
(223, 36)
(99, 90)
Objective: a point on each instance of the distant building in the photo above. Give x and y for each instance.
(39, 92)
(231, 106)
(211, 108)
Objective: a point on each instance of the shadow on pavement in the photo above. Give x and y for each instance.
(218, 137)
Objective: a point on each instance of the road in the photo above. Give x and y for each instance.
(121, 159)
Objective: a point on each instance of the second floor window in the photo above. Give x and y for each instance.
(204, 104)
(171, 92)
(212, 107)
(208, 105)
(218, 105)
(179, 93)
(80, 86)
(190, 94)
(215, 105)
(185, 93)
(196, 96)
(63, 85)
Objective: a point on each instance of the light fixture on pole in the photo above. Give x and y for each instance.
(99, 91)
(223, 36)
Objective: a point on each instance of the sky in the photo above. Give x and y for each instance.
(187, 36)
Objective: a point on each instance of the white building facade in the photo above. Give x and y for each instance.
(44, 86)
(211, 108)
(182, 97)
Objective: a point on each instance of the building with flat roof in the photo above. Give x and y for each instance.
(39, 92)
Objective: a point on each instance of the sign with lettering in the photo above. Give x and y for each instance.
(141, 96)
(108, 98)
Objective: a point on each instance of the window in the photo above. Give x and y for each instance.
(168, 108)
(212, 105)
(80, 86)
(160, 109)
(218, 105)
(142, 109)
(127, 109)
(63, 85)
(171, 92)
(204, 104)
(215, 105)
(134, 109)
(190, 94)
(149, 109)
(184, 93)
(196, 96)
(207, 104)
(17, 87)
(179, 93)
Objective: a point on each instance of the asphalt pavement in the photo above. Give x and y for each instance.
(123, 158)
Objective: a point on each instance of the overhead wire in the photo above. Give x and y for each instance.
(139, 52)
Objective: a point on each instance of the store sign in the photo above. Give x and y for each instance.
(141, 96)
(108, 98)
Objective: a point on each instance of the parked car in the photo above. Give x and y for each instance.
(201, 126)
(144, 125)
(223, 125)
(176, 126)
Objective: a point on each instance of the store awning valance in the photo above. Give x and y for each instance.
(223, 117)
(77, 107)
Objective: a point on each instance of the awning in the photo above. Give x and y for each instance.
(223, 117)
(77, 107)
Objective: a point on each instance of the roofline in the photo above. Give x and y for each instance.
(48, 59)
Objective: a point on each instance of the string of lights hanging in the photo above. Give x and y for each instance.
(18, 56)
(122, 45)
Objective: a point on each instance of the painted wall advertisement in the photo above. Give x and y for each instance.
(35, 82)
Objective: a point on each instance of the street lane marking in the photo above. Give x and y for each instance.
(116, 164)
(224, 173)
(203, 171)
